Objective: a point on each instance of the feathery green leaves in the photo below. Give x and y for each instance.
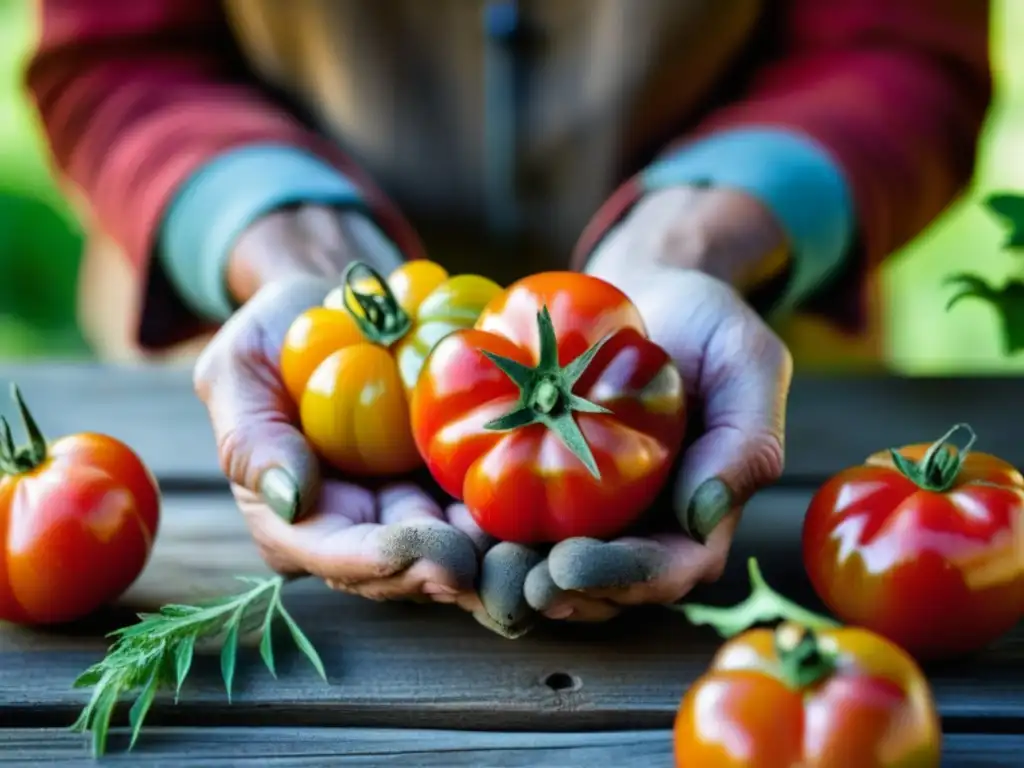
(157, 653)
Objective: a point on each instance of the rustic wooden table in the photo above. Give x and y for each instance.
(425, 685)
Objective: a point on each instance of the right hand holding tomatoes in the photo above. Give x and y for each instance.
(390, 542)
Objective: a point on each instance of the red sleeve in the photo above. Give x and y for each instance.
(134, 96)
(895, 90)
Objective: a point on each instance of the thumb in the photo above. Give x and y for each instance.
(744, 382)
(252, 415)
(736, 368)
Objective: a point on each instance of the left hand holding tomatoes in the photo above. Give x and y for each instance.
(388, 542)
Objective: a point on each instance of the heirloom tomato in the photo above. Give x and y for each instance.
(807, 693)
(77, 521)
(555, 416)
(350, 363)
(924, 545)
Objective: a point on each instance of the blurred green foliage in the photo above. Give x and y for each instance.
(40, 239)
(924, 338)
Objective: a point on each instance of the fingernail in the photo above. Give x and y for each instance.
(710, 503)
(559, 612)
(280, 492)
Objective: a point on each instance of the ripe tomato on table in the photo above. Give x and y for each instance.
(350, 363)
(77, 522)
(924, 544)
(555, 416)
(807, 693)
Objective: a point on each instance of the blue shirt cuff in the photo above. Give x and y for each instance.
(793, 177)
(221, 199)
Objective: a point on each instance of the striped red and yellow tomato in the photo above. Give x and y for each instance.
(350, 363)
(555, 416)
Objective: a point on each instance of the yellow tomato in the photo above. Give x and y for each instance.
(350, 364)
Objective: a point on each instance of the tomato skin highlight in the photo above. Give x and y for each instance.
(874, 710)
(350, 380)
(525, 485)
(939, 573)
(77, 530)
(354, 409)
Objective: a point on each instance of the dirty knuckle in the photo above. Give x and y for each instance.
(233, 449)
(768, 458)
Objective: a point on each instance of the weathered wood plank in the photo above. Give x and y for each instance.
(351, 747)
(832, 422)
(422, 748)
(401, 665)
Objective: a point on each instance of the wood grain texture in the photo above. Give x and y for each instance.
(430, 666)
(832, 422)
(401, 747)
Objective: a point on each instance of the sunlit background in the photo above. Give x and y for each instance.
(40, 239)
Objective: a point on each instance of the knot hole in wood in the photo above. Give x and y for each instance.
(560, 682)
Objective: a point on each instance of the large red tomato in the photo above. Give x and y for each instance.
(809, 693)
(555, 416)
(77, 522)
(924, 545)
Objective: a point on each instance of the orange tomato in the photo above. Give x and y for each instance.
(351, 363)
(809, 693)
(77, 522)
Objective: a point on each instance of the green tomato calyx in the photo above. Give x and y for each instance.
(801, 659)
(545, 392)
(940, 466)
(379, 316)
(15, 460)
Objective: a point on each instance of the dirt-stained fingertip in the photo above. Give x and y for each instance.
(711, 502)
(503, 574)
(404, 543)
(280, 492)
(581, 564)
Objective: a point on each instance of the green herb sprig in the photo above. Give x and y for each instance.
(157, 653)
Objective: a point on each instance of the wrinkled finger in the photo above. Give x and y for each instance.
(402, 502)
(586, 564)
(370, 552)
(540, 589)
(545, 596)
(579, 608)
(423, 579)
(503, 574)
(342, 542)
(671, 564)
(252, 416)
(740, 370)
(286, 547)
(745, 384)
(460, 517)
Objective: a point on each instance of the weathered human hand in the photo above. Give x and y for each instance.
(384, 543)
(737, 373)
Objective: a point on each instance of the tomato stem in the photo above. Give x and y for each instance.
(940, 466)
(545, 392)
(763, 605)
(802, 661)
(378, 314)
(14, 460)
(545, 397)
